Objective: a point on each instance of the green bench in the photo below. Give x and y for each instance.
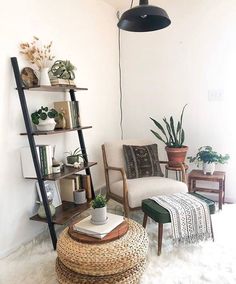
(162, 216)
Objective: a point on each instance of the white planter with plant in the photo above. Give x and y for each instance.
(44, 119)
(208, 158)
(99, 210)
(172, 135)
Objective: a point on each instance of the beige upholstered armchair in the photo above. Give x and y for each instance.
(131, 192)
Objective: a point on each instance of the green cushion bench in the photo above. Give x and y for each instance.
(162, 216)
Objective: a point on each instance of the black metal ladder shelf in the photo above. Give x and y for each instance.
(68, 207)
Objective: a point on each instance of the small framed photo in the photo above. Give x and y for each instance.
(53, 186)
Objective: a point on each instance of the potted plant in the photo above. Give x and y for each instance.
(208, 157)
(99, 210)
(44, 118)
(173, 136)
(74, 156)
(62, 72)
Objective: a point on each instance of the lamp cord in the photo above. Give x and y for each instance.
(120, 82)
(132, 2)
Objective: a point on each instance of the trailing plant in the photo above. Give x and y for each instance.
(171, 134)
(43, 113)
(63, 69)
(36, 53)
(206, 154)
(99, 201)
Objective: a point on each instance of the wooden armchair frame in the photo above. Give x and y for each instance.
(124, 200)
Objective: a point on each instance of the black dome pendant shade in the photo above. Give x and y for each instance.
(144, 18)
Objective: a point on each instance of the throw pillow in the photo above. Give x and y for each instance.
(142, 161)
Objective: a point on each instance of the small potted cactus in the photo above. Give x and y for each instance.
(99, 210)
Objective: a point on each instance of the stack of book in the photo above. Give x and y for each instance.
(75, 182)
(70, 109)
(61, 82)
(45, 153)
(86, 227)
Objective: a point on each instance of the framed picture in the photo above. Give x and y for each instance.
(50, 185)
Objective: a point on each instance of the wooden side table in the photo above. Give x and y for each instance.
(219, 177)
(178, 171)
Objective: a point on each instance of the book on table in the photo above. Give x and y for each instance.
(98, 231)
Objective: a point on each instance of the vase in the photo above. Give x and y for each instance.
(44, 77)
(99, 216)
(80, 196)
(46, 125)
(208, 168)
(42, 213)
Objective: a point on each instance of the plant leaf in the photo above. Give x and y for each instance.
(160, 127)
(158, 136)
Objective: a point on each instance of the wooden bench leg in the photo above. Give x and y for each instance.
(145, 217)
(160, 234)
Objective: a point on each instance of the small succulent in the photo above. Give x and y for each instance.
(76, 152)
(42, 114)
(99, 201)
(63, 69)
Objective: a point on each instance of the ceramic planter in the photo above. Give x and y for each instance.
(80, 196)
(72, 159)
(99, 215)
(46, 125)
(44, 78)
(176, 155)
(208, 168)
(42, 213)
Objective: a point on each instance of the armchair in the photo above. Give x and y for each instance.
(131, 192)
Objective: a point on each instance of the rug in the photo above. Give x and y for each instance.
(206, 262)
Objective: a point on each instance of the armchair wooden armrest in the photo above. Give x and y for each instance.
(125, 186)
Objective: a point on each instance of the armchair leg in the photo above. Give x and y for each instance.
(145, 217)
(126, 209)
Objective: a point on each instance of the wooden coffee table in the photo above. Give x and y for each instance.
(219, 177)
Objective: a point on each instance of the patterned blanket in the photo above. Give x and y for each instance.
(190, 217)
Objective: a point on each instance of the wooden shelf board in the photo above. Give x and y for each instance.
(64, 213)
(68, 171)
(57, 131)
(55, 88)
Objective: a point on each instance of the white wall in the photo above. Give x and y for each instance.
(85, 32)
(166, 69)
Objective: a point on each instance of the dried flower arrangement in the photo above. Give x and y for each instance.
(36, 53)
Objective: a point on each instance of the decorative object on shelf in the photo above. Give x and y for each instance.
(40, 56)
(62, 73)
(56, 168)
(99, 210)
(52, 191)
(144, 18)
(208, 158)
(60, 120)
(173, 137)
(44, 118)
(29, 78)
(42, 213)
(80, 196)
(74, 157)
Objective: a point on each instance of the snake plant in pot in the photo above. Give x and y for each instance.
(208, 158)
(172, 135)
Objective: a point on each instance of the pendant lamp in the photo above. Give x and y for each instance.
(144, 18)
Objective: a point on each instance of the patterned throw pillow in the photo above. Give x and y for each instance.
(142, 161)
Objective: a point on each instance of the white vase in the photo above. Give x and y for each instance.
(208, 168)
(44, 77)
(80, 196)
(99, 215)
(46, 125)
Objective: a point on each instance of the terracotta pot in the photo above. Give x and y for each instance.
(176, 155)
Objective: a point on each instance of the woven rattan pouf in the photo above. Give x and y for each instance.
(119, 261)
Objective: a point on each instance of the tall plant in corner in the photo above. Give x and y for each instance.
(172, 135)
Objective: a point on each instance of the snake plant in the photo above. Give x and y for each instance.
(63, 69)
(171, 134)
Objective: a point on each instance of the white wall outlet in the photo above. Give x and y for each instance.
(215, 95)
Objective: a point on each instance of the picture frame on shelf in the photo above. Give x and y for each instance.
(50, 185)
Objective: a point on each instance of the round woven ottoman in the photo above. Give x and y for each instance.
(119, 261)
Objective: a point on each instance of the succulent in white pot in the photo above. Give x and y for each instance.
(99, 210)
(44, 119)
(209, 158)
